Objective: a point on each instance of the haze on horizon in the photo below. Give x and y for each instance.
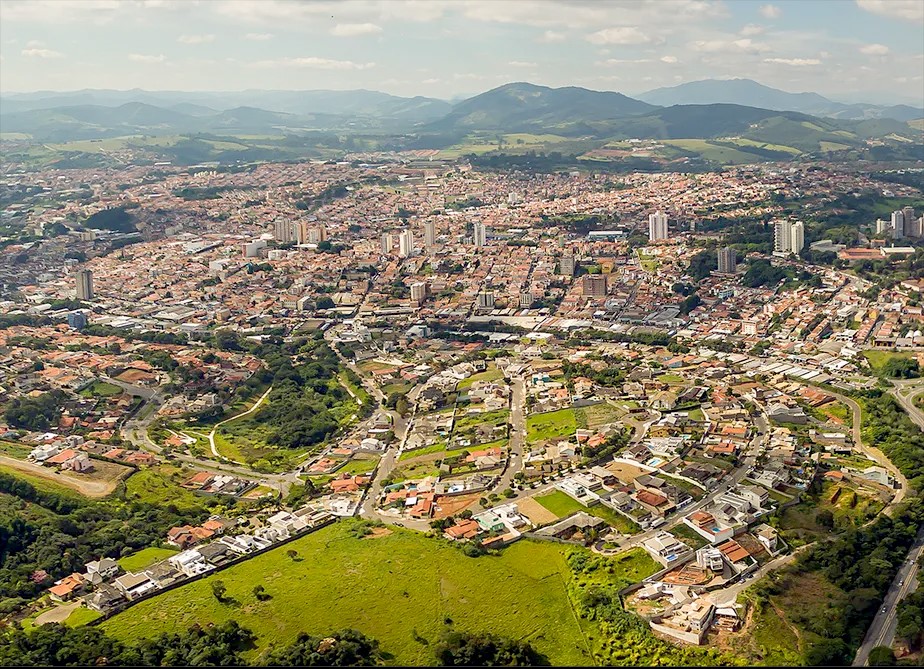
(851, 50)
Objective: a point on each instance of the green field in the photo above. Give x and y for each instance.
(81, 616)
(14, 449)
(800, 521)
(878, 359)
(488, 375)
(400, 589)
(42, 483)
(161, 485)
(145, 558)
(101, 389)
(713, 152)
(541, 426)
(359, 466)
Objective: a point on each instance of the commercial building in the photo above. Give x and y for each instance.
(657, 226)
(84, 284)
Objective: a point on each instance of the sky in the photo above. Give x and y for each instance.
(851, 50)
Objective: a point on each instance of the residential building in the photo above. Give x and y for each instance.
(84, 284)
(285, 231)
(728, 260)
(385, 243)
(898, 224)
(480, 234)
(430, 234)
(566, 265)
(657, 226)
(788, 237)
(419, 292)
(594, 285)
(406, 243)
(485, 300)
(77, 320)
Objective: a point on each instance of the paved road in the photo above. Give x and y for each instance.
(211, 435)
(882, 630)
(517, 434)
(905, 393)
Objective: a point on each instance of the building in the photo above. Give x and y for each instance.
(526, 299)
(77, 320)
(419, 292)
(84, 284)
(594, 285)
(566, 265)
(406, 244)
(657, 226)
(728, 261)
(385, 243)
(252, 249)
(485, 300)
(915, 228)
(317, 234)
(285, 232)
(883, 227)
(429, 234)
(480, 234)
(788, 237)
(898, 224)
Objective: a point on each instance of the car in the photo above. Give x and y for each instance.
(884, 609)
(901, 583)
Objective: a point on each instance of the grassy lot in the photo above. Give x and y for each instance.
(595, 415)
(145, 558)
(400, 388)
(488, 375)
(14, 449)
(161, 485)
(697, 414)
(358, 466)
(81, 616)
(467, 426)
(438, 447)
(101, 389)
(649, 263)
(850, 507)
(399, 589)
(42, 483)
(688, 536)
(541, 426)
(878, 359)
(670, 378)
(695, 491)
(563, 505)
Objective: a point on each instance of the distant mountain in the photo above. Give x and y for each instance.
(523, 107)
(752, 94)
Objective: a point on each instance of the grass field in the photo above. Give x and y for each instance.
(878, 359)
(541, 426)
(160, 485)
(81, 616)
(399, 589)
(101, 389)
(40, 482)
(563, 505)
(358, 466)
(596, 415)
(719, 154)
(488, 375)
(14, 449)
(801, 520)
(145, 558)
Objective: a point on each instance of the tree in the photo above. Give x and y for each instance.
(260, 593)
(901, 368)
(464, 649)
(347, 648)
(219, 590)
(881, 656)
(825, 518)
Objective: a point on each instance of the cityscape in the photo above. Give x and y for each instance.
(542, 375)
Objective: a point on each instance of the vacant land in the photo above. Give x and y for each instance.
(878, 359)
(596, 415)
(161, 485)
(145, 558)
(563, 505)
(400, 589)
(98, 483)
(542, 426)
(848, 507)
(101, 389)
(488, 375)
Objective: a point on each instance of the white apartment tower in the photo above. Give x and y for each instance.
(419, 292)
(788, 237)
(480, 235)
(797, 237)
(285, 231)
(406, 244)
(84, 284)
(429, 234)
(898, 224)
(657, 226)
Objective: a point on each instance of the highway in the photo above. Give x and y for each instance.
(881, 631)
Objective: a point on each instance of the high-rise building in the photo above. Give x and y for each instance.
(485, 300)
(883, 226)
(317, 234)
(797, 237)
(480, 234)
(84, 284)
(908, 215)
(898, 224)
(728, 260)
(385, 243)
(917, 227)
(285, 231)
(526, 299)
(301, 232)
(406, 243)
(566, 265)
(419, 292)
(594, 285)
(430, 234)
(657, 226)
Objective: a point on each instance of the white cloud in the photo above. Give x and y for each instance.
(752, 29)
(911, 10)
(612, 62)
(34, 44)
(669, 59)
(430, 81)
(41, 53)
(521, 63)
(874, 49)
(355, 29)
(551, 36)
(793, 62)
(770, 11)
(744, 45)
(622, 35)
(195, 39)
(315, 63)
(258, 37)
(142, 58)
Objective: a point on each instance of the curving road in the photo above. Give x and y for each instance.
(211, 435)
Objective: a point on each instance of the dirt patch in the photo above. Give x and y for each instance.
(378, 533)
(625, 473)
(449, 506)
(538, 515)
(98, 483)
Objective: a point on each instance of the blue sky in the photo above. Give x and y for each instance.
(848, 49)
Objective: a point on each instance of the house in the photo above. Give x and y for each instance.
(286, 523)
(134, 586)
(187, 535)
(163, 574)
(768, 536)
(579, 522)
(665, 547)
(463, 531)
(190, 562)
(217, 553)
(67, 587)
(104, 598)
(101, 570)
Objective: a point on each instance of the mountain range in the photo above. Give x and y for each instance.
(710, 110)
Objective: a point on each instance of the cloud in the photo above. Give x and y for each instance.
(770, 11)
(430, 81)
(41, 53)
(612, 62)
(744, 45)
(911, 10)
(195, 39)
(793, 62)
(258, 37)
(315, 63)
(550, 36)
(874, 49)
(521, 63)
(669, 59)
(623, 35)
(142, 58)
(752, 29)
(355, 29)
